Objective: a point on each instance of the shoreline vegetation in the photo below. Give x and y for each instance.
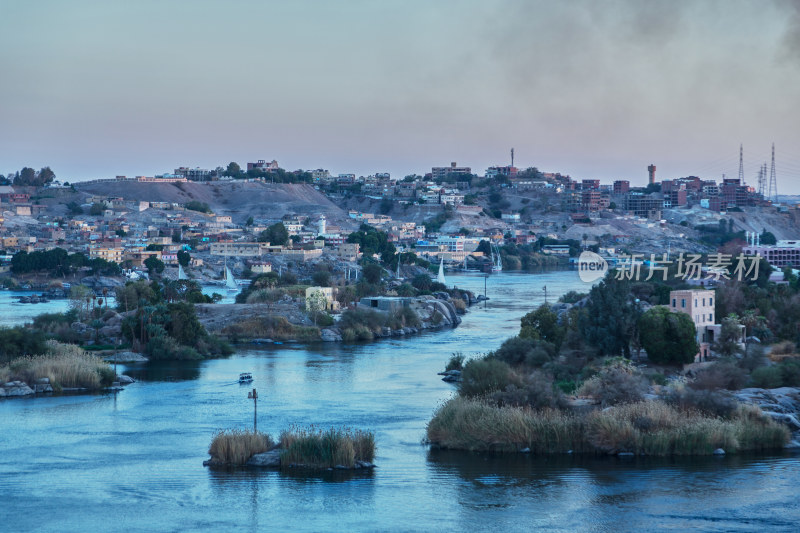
(575, 380)
(312, 448)
(60, 367)
(649, 427)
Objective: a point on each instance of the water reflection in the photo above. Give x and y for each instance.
(165, 371)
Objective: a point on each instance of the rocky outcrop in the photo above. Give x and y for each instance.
(330, 335)
(126, 357)
(14, 389)
(101, 282)
(272, 459)
(782, 405)
(451, 376)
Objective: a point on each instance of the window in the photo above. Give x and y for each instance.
(704, 302)
(695, 302)
(683, 302)
(710, 317)
(711, 301)
(674, 303)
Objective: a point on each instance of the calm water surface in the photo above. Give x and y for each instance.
(132, 461)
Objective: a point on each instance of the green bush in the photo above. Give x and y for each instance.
(536, 390)
(720, 375)
(456, 362)
(482, 376)
(525, 351)
(767, 377)
(617, 383)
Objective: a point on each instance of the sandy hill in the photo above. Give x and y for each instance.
(238, 199)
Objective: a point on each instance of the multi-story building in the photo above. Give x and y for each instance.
(779, 255)
(645, 205)
(196, 174)
(239, 249)
(699, 305)
(452, 170)
(320, 175)
(507, 171)
(108, 254)
(262, 165)
(622, 186)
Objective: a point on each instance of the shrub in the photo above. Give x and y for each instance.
(720, 375)
(165, 347)
(528, 351)
(536, 390)
(456, 361)
(790, 371)
(713, 402)
(236, 447)
(265, 296)
(783, 348)
(616, 383)
(767, 377)
(482, 376)
(18, 341)
(326, 449)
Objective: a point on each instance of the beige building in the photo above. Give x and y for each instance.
(349, 251)
(699, 304)
(300, 254)
(108, 254)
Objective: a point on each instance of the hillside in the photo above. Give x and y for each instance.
(238, 199)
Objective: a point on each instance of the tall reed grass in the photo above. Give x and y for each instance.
(318, 448)
(647, 427)
(236, 447)
(66, 365)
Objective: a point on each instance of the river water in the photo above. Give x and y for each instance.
(133, 461)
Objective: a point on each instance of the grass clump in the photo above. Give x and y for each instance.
(316, 448)
(476, 424)
(236, 447)
(646, 427)
(66, 365)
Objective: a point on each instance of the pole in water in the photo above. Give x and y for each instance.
(545, 294)
(485, 278)
(254, 396)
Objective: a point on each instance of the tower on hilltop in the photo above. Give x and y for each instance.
(651, 170)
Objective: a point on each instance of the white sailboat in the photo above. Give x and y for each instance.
(230, 282)
(440, 277)
(497, 262)
(181, 273)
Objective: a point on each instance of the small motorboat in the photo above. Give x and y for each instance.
(245, 377)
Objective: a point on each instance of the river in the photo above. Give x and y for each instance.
(133, 461)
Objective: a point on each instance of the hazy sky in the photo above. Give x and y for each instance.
(594, 89)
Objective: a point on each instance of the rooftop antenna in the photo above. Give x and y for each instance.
(512, 157)
(772, 193)
(741, 165)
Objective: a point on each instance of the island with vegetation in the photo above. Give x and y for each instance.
(614, 372)
(309, 448)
